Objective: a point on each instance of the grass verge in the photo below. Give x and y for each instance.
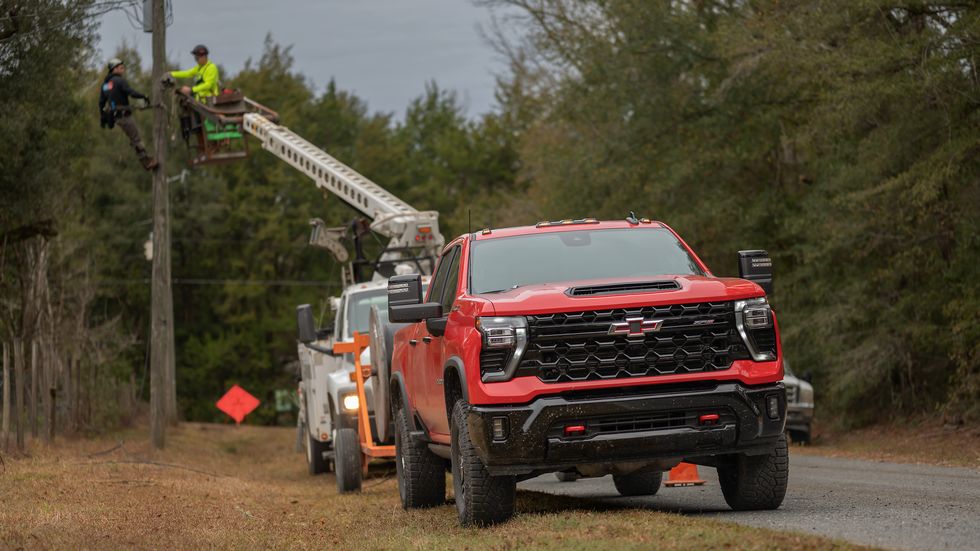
(906, 441)
(227, 487)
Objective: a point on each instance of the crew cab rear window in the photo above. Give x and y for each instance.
(554, 257)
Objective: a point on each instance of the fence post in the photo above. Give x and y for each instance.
(46, 375)
(19, 391)
(5, 442)
(34, 385)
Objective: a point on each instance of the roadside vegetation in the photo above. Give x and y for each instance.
(916, 440)
(227, 487)
(841, 135)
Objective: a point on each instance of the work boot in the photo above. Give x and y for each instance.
(149, 163)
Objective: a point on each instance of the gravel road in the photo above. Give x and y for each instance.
(876, 503)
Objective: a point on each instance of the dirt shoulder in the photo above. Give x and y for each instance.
(911, 441)
(226, 487)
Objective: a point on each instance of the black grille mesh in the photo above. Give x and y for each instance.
(578, 347)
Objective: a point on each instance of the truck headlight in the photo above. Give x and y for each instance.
(753, 319)
(351, 402)
(506, 334)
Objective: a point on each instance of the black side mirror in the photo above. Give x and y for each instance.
(305, 327)
(405, 301)
(756, 266)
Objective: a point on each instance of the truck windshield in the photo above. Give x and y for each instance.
(509, 262)
(359, 310)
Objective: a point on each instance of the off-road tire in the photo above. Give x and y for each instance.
(315, 462)
(347, 457)
(567, 477)
(756, 482)
(638, 484)
(421, 473)
(481, 499)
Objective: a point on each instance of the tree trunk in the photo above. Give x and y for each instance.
(161, 329)
(7, 389)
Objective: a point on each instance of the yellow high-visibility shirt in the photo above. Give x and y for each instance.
(205, 79)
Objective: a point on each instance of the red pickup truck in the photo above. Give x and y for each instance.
(586, 348)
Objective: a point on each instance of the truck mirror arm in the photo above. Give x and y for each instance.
(320, 349)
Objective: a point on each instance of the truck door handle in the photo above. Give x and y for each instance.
(413, 342)
(426, 339)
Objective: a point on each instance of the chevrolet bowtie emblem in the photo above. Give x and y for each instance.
(635, 327)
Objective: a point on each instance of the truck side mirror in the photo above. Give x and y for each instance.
(305, 327)
(756, 266)
(405, 300)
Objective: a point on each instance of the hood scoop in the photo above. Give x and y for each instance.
(624, 288)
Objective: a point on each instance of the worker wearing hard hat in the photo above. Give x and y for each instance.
(116, 111)
(205, 75)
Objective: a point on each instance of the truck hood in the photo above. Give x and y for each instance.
(547, 298)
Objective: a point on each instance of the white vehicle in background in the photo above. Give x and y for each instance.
(799, 405)
(327, 395)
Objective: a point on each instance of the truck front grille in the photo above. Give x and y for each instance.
(578, 346)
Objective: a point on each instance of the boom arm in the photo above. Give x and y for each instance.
(389, 215)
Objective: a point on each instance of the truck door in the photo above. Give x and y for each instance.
(432, 343)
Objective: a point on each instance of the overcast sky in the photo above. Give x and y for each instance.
(382, 50)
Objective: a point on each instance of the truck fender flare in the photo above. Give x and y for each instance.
(456, 364)
(397, 381)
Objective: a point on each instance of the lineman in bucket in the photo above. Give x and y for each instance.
(115, 109)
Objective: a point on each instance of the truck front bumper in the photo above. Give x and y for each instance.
(649, 425)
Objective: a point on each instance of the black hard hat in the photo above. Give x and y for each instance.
(200, 49)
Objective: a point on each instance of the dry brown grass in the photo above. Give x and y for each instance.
(226, 487)
(908, 441)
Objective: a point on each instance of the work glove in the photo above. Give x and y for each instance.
(143, 103)
(105, 119)
(168, 81)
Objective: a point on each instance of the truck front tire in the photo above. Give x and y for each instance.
(638, 484)
(347, 457)
(756, 482)
(421, 473)
(481, 499)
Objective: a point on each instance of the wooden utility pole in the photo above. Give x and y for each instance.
(161, 323)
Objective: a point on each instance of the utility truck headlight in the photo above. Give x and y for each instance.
(351, 402)
(753, 319)
(503, 334)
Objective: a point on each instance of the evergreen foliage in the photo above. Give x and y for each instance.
(841, 135)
